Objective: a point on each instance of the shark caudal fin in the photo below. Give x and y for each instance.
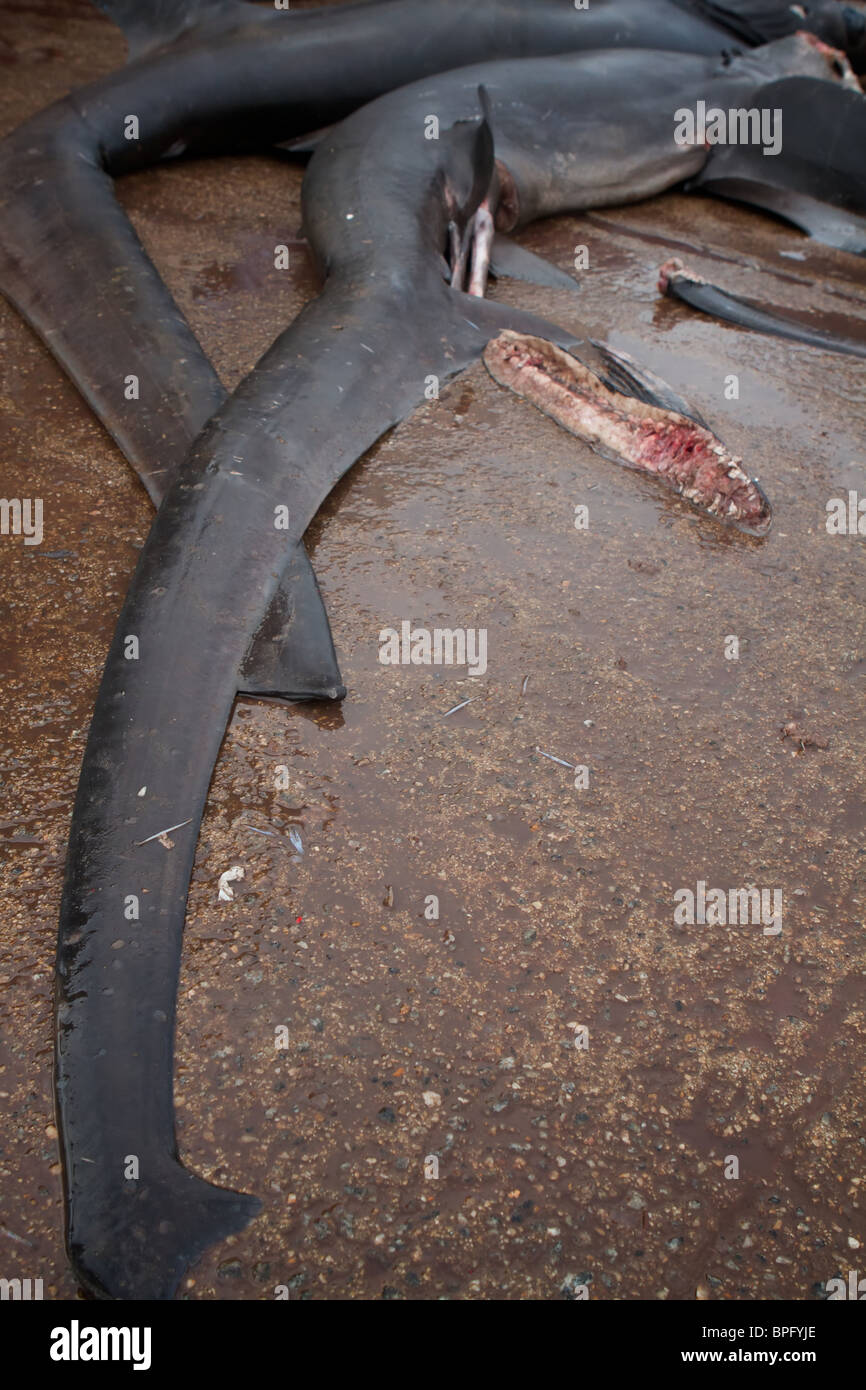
(151, 24)
(61, 224)
(140, 1246)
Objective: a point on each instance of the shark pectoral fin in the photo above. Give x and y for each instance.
(516, 262)
(621, 373)
(292, 655)
(855, 37)
(824, 129)
(488, 317)
(305, 144)
(151, 26)
(846, 231)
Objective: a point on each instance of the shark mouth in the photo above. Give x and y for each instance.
(684, 456)
(836, 60)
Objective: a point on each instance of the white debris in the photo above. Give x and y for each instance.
(162, 836)
(227, 894)
(553, 759)
(455, 708)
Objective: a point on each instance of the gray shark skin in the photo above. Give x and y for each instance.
(818, 180)
(213, 75)
(354, 363)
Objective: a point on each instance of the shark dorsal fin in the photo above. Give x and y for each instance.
(149, 26)
(473, 158)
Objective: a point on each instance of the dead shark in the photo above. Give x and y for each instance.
(210, 75)
(355, 362)
(213, 75)
(692, 26)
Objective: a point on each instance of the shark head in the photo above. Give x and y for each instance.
(797, 55)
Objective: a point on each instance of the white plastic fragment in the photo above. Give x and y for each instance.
(227, 894)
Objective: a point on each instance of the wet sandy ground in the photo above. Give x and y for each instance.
(454, 1038)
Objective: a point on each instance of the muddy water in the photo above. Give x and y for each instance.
(413, 1037)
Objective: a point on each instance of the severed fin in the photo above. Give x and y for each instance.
(622, 373)
(151, 24)
(761, 21)
(680, 283)
(292, 655)
(685, 457)
(517, 263)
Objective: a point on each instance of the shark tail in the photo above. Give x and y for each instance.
(165, 1223)
(131, 353)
